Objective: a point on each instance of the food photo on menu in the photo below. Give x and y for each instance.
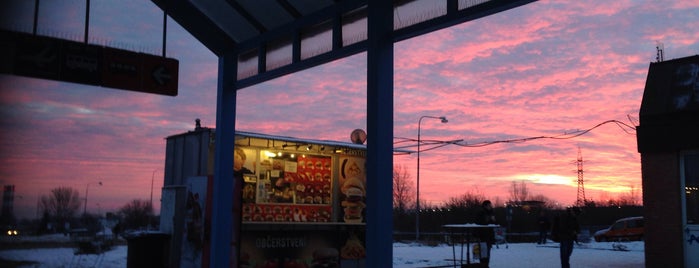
(353, 189)
(282, 191)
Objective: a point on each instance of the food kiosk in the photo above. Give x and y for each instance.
(303, 201)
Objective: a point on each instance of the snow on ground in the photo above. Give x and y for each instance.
(524, 255)
(408, 255)
(63, 257)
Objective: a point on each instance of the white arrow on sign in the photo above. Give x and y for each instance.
(161, 75)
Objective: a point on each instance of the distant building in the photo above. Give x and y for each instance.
(8, 202)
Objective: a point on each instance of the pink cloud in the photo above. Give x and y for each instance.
(543, 69)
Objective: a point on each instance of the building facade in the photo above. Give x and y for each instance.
(668, 140)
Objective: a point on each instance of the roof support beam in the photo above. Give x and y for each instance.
(379, 160)
(249, 17)
(198, 24)
(289, 8)
(226, 191)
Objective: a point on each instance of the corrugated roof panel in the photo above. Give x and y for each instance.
(247, 64)
(354, 26)
(279, 54)
(414, 12)
(317, 40)
(470, 3)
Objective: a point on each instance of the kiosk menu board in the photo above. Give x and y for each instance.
(301, 209)
(289, 188)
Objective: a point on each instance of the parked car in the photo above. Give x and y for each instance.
(626, 229)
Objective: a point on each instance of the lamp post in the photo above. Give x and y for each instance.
(417, 201)
(150, 204)
(152, 178)
(86, 188)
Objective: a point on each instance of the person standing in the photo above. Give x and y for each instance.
(241, 188)
(544, 226)
(565, 229)
(116, 230)
(239, 168)
(487, 235)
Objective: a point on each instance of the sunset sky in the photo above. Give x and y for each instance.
(545, 69)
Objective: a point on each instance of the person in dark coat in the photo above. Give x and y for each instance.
(565, 230)
(487, 235)
(239, 168)
(116, 230)
(544, 227)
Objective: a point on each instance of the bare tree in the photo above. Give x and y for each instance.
(136, 213)
(403, 192)
(427, 205)
(519, 192)
(465, 207)
(546, 203)
(622, 199)
(465, 201)
(61, 204)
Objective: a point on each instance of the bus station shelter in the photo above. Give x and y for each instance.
(256, 41)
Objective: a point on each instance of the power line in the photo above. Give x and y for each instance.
(628, 129)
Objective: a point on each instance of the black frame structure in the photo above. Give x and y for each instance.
(257, 41)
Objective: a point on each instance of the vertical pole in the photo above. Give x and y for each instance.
(150, 203)
(87, 20)
(85, 207)
(225, 219)
(38, 205)
(152, 178)
(36, 16)
(417, 199)
(164, 27)
(379, 161)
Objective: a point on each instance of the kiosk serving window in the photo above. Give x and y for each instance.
(289, 187)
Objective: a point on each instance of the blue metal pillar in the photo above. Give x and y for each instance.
(379, 164)
(225, 231)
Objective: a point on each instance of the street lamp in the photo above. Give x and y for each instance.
(150, 204)
(152, 178)
(85, 207)
(417, 201)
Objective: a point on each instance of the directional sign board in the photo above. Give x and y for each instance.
(37, 57)
(56, 59)
(159, 76)
(80, 63)
(121, 69)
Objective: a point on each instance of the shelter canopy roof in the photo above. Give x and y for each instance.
(272, 38)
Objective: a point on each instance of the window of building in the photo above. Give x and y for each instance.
(691, 185)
